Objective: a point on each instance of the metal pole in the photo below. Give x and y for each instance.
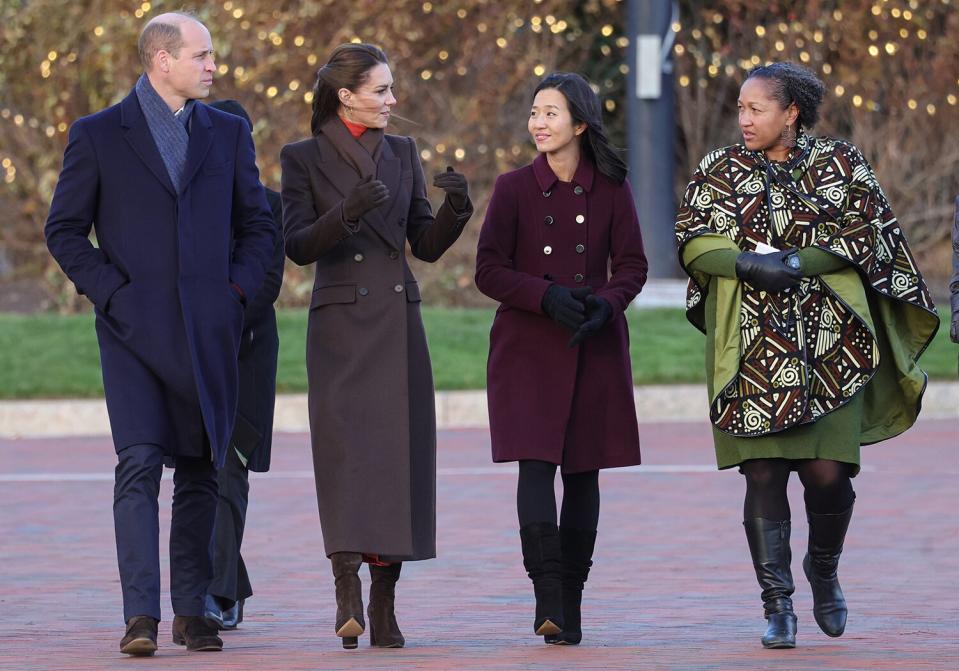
(651, 128)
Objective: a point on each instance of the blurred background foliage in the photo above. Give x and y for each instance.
(464, 72)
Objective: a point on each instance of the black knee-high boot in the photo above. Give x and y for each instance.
(769, 547)
(826, 536)
(384, 631)
(542, 559)
(577, 546)
(349, 596)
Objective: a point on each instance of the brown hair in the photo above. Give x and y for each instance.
(347, 68)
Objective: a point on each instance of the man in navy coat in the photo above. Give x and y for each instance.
(183, 235)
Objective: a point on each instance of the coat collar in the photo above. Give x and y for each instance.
(137, 133)
(546, 178)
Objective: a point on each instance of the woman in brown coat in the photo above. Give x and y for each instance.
(561, 251)
(352, 197)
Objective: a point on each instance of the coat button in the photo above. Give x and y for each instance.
(398, 288)
(548, 220)
(357, 257)
(547, 250)
(580, 219)
(394, 254)
(580, 249)
(363, 291)
(578, 190)
(546, 194)
(578, 277)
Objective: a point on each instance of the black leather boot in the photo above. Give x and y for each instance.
(349, 597)
(542, 559)
(826, 536)
(769, 547)
(577, 546)
(384, 631)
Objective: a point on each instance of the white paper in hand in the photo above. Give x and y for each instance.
(763, 248)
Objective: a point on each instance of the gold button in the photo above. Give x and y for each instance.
(580, 218)
(547, 250)
(580, 249)
(398, 288)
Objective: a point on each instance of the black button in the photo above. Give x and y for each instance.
(546, 194)
(580, 249)
(548, 220)
(578, 191)
(357, 257)
(401, 222)
(578, 277)
(394, 255)
(363, 291)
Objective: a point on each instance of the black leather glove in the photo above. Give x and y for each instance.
(954, 330)
(598, 312)
(364, 197)
(767, 272)
(565, 306)
(455, 186)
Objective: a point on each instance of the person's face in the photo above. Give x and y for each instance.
(371, 102)
(551, 123)
(761, 118)
(189, 73)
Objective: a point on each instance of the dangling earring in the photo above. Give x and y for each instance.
(789, 136)
(349, 111)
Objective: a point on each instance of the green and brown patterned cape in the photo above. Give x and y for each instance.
(786, 359)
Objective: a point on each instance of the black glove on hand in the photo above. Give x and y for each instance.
(767, 272)
(954, 330)
(455, 186)
(565, 306)
(598, 312)
(364, 197)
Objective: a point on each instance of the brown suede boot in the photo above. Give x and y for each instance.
(349, 597)
(140, 639)
(196, 634)
(384, 630)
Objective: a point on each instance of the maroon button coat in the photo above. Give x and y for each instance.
(547, 401)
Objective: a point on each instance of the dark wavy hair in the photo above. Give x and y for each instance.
(791, 83)
(584, 107)
(347, 68)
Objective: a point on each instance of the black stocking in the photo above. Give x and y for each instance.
(766, 489)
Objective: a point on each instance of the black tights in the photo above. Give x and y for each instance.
(828, 489)
(536, 502)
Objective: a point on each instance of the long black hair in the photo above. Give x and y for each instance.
(347, 68)
(585, 108)
(790, 83)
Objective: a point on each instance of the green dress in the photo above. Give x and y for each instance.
(819, 370)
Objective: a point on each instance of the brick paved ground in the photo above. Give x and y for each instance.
(672, 586)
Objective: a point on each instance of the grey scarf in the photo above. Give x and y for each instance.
(169, 131)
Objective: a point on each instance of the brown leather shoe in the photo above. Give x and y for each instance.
(140, 639)
(196, 634)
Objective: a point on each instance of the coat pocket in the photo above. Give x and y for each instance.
(413, 292)
(339, 293)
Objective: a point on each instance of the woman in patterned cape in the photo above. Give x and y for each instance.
(814, 313)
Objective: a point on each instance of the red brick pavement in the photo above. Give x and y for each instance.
(672, 587)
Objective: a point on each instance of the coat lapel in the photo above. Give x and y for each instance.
(388, 172)
(201, 138)
(137, 133)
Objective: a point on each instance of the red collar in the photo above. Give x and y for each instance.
(356, 129)
(547, 178)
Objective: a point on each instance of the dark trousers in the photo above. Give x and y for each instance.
(230, 579)
(137, 525)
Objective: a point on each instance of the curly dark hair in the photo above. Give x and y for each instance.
(791, 83)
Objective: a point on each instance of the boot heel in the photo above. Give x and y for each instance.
(350, 642)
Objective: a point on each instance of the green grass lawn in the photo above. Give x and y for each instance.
(52, 356)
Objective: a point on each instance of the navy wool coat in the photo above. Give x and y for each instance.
(168, 320)
(547, 401)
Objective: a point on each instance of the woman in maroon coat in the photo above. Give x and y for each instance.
(562, 251)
